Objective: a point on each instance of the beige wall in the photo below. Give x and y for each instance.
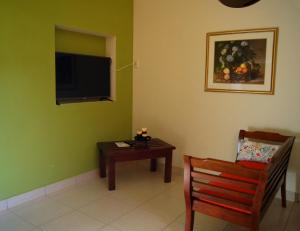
(169, 97)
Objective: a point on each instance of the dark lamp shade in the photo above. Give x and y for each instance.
(238, 3)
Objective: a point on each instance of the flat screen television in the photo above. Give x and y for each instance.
(81, 77)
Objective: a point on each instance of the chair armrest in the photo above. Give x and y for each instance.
(224, 166)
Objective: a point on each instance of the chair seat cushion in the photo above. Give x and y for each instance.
(255, 151)
(252, 164)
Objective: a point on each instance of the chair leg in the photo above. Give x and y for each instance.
(189, 220)
(283, 193)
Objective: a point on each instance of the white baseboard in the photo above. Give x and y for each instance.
(297, 197)
(3, 205)
(290, 196)
(20, 199)
(43, 191)
(87, 176)
(60, 185)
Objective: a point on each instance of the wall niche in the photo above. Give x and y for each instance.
(79, 41)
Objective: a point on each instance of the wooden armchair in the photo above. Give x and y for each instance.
(237, 193)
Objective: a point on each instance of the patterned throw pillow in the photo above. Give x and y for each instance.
(254, 151)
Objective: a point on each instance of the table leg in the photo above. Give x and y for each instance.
(153, 165)
(168, 167)
(102, 164)
(111, 175)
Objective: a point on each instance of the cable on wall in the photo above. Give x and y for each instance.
(134, 64)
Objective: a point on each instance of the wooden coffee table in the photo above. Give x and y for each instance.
(110, 153)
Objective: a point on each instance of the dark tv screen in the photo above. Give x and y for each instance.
(82, 77)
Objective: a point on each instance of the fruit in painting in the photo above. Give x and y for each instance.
(226, 71)
(226, 76)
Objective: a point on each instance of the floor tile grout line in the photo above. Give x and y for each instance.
(144, 202)
(53, 219)
(67, 205)
(226, 226)
(284, 226)
(105, 223)
(22, 218)
(288, 218)
(159, 192)
(129, 211)
(173, 221)
(73, 210)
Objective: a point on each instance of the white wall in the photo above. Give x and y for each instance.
(169, 96)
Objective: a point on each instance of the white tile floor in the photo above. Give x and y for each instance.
(141, 202)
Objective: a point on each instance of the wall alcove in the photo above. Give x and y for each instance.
(79, 41)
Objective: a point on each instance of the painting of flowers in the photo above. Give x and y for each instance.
(241, 61)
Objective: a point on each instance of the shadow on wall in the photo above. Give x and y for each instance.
(294, 165)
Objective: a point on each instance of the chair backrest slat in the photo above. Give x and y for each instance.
(259, 135)
(228, 194)
(225, 167)
(198, 176)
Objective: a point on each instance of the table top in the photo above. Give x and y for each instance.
(153, 144)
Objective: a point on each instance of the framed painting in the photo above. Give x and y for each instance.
(241, 61)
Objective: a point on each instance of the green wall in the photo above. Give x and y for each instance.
(79, 43)
(40, 142)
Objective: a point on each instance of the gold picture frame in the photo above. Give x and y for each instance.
(242, 61)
